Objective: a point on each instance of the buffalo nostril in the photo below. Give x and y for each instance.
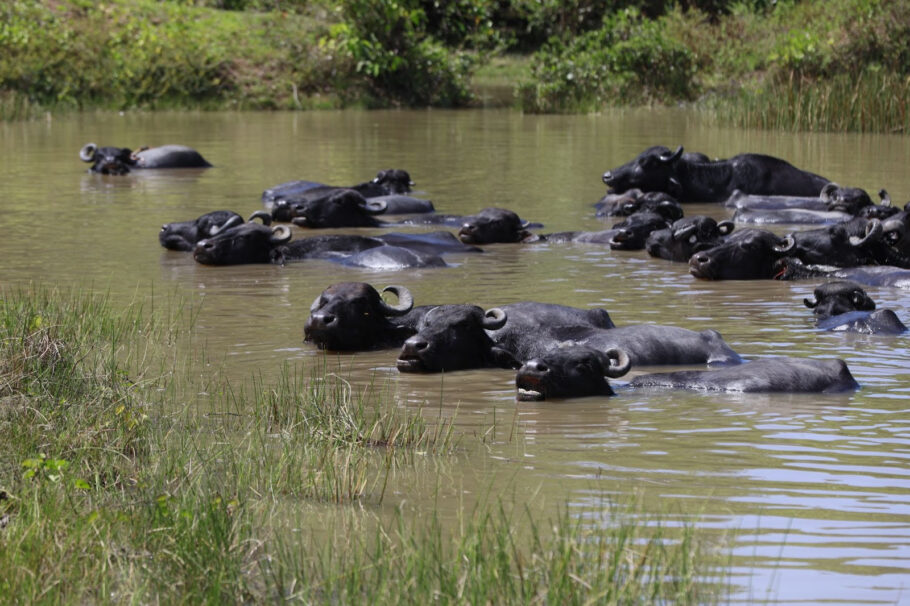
(326, 319)
(702, 259)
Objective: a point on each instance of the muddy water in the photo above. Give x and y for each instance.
(817, 486)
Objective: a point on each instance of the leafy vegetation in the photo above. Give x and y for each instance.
(737, 57)
(120, 483)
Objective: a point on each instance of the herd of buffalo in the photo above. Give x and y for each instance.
(561, 351)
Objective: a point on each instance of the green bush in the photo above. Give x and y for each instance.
(629, 60)
(387, 44)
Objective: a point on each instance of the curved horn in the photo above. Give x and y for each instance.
(810, 303)
(374, 207)
(618, 363)
(725, 227)
(683, 233)
(494, 318)
(234, 220)
(874, 231)
(280, 234)
(261, 214)
(787, 243)
(405, 301)
(87, 153)
(672, 157)
(317, 303)
(827, 190)
(885, 197)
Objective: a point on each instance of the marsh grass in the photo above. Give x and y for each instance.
(112, 493)
(873, 101)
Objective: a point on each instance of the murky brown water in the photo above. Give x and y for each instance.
(818, 487)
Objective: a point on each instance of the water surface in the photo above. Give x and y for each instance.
(817, 486)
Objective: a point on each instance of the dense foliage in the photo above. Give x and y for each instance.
(583, 55)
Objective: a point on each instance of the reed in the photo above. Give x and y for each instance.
(872, 101)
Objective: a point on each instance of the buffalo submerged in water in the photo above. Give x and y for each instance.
(658, 169)
(122, 160)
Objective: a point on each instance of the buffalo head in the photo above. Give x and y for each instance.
(570, 372)
(493, 225)
(352, 316)
(839, 297)
(342, 208)
(246, 243)
(453, 337)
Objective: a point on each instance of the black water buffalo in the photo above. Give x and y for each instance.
(389, 186)
(843, 306)
(121, 160)
(453, 337)
(351, 316)
(896, 236)
(531, 321)
(767, 375)
(659, 169)
(791, 268)
(849, 244)
(686, 237)
(645, 344)
(254, 243)
(183, 235)
(636, 200)
(790, 216)
(570, 372)
(748, 254)
(341, 208)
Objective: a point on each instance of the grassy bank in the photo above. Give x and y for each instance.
(119, 483)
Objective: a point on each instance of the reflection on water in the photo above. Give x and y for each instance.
(817, 485)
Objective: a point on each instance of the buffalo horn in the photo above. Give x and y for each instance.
(374, 207)
(494, 318)
(874, 231)
(827, 190)
(317, 303)
(234, 220)
(261, 214)
(683, 233)
(725, 227)
(280, 234)
(87, 153)
(618, 363)
(885, 197)
(672, 157)
(810, 303)
(787, 243)
(405, 301)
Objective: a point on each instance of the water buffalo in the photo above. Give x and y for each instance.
(351, 316)
(254, 243)
(645, 344)
(849, 244)
(767, 375)
(748, 254)
(389, 186)
(121, 160)
(531, 321)
(790, 216)
(791, 268)
(341, 208)
(183, 235)
(686, 237)
(453, 337)
(659, 169)
(636, 200)
(570, 372)
(843, 306)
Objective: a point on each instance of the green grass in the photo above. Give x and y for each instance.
(112, 492)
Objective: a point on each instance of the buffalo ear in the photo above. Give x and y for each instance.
(810, 303)
(504, 359)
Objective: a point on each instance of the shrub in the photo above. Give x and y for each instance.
(628, 60)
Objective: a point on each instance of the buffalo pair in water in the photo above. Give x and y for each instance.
(122, 160)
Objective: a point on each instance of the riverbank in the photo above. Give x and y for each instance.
(842, 65)
(125, 479)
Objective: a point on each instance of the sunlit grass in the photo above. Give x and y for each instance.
(110, 492)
